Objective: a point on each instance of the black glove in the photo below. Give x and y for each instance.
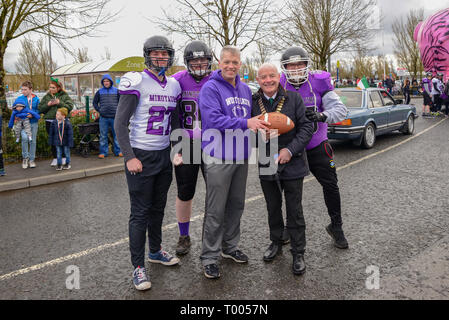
(315, 116)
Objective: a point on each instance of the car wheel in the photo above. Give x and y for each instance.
(409, 127)
(369, 136)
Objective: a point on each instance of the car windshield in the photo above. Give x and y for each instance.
(351, 99)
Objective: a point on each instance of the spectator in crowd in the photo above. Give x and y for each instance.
(105, 102)
(445, 98)
(389, 84)
(406, 90)
(20, 122)
(426, 93)
(436, 94)
(55, 98)
(2, 167)
(61, 137)
(32, 103)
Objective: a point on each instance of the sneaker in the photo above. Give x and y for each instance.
(163, 257)
(339, 237)
(59, 167)
(140, 279)
(211, 271)
(101, 156)
(25, 163)
(238, 256)
(32, 164)
(183, 245)
(54, 163)
(67, 166)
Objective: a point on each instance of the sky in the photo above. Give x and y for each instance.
(125, 35)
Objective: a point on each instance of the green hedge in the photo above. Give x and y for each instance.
(12, 151)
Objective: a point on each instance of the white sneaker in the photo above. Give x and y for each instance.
(64, 161)
(54, 163)
(25, 163)
(32, 164)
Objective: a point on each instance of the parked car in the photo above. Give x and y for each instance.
(371, 112)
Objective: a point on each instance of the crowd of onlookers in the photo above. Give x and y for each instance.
(55, 108)
(435, 95)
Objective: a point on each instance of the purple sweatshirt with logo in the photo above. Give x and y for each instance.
(225, 109)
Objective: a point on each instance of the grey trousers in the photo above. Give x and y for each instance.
(225, 202)
(22, 124)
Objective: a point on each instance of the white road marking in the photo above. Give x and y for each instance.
(197, 217)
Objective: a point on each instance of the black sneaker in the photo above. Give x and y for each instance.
(59, 167)
(238, 256)
(67, 166)
(211, 271)
(183, 245)
(336, 232)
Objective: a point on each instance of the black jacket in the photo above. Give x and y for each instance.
(295, 140)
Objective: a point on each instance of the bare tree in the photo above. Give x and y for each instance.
(62, 20)
(405, 47)
(34, 62)
(363, 65)
(222, 22)
(107, 54)
(45, 65)
(323, 27)
(82, 55)
(27, 62)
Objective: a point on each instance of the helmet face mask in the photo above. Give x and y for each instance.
(158, 62)
(198, 59)
(299, 57)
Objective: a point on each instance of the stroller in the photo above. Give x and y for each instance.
(90, 139)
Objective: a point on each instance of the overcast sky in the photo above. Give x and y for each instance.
(125, 36)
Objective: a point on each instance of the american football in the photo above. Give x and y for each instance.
(278, 121)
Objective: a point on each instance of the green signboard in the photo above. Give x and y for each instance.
(129, 64)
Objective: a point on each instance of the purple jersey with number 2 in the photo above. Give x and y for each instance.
(189, 115)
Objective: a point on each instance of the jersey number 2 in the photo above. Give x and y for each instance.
(157, 114)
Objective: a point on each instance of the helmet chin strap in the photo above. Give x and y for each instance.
(162, 72)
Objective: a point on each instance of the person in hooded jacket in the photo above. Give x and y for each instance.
(105, 102)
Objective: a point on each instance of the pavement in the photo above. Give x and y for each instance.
(18, 178)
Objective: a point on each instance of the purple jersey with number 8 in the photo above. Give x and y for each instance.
(189, 115)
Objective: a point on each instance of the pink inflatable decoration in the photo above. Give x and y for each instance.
(432, 36)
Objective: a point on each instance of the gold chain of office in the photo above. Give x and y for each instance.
(278, 109)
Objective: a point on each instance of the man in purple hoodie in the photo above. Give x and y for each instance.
(225, 106)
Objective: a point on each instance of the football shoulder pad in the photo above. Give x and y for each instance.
(322, 80)
(130, 81)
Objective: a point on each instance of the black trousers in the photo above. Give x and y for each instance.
(296, 224)
(148, 196)
(407, 97)
(53, 148)
(322, 166)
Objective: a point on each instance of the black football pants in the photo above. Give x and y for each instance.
(322, 166)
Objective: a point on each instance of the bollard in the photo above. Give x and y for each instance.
(87, 109)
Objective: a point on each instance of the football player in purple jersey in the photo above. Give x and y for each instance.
(198, 60)
(142, 125)
(323, 106)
